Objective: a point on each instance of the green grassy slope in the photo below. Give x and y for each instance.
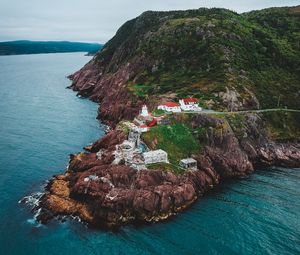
(206, 51)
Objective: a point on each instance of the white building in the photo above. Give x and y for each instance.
(169, 107)
(91, 178)
(143, 128)
(188, 163)
(127, 149)
(158, 156)
(189, 104)
(144, 111)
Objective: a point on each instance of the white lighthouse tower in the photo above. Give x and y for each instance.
(145, 112)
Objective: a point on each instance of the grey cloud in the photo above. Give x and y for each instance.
(95, 20)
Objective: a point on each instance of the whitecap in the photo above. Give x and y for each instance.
(32, 200)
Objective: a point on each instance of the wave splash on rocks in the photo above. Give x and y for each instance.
(121, 195)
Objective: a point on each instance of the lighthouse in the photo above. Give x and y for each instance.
(144, 112)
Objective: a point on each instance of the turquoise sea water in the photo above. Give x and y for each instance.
(41, 123)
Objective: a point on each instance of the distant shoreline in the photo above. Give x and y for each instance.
(40, 47)
(87, 54)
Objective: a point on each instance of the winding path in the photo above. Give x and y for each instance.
(246, 111)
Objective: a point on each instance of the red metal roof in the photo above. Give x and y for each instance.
(153, 123)
(143, 126)
(190, 100)
(171, 104)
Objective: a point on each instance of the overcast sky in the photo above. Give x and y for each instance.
(96, 20)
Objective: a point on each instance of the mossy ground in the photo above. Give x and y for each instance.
(177, 140)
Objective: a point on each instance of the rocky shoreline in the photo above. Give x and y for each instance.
(161, 57)
(123, 195)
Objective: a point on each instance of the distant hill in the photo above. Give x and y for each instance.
(35, 47)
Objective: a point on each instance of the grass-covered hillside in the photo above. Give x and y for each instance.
(227, 60)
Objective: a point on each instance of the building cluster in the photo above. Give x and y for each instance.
(187, 104)
(145, 120)
(136, 155)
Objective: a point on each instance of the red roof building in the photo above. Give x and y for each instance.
(171, 104)
(190, 100)
(170, 107)
(190, 104)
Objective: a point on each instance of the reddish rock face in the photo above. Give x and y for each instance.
(222, 152)
(82, 162)
(123, 194)
(109, 141)
(286, 155)
(116, 101)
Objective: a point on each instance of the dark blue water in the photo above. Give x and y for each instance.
(41, 123)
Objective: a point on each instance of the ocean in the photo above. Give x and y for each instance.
(41, 123)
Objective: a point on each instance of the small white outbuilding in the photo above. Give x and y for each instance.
(157, 156)
(188, 163)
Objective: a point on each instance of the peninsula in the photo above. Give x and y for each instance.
(154, 81)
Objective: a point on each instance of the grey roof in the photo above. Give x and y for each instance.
(153, 153)
(188, 161)
(93, 177)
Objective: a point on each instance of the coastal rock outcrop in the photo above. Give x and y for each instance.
(108, 195)
(120, 194)
(231, 62)
(91, 82)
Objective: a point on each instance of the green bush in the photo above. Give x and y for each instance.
(158, 112)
